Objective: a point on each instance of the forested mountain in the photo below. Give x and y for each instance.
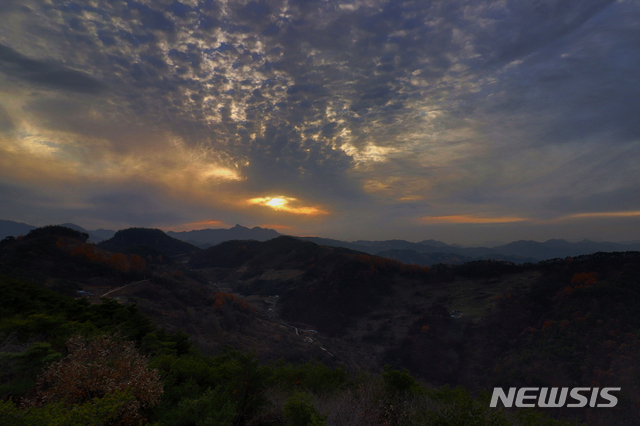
(153, 238)
(424, 253)
(210, 237)
(567, 322)
(13, 229)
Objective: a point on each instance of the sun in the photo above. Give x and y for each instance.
(276, 203)
(284, 204)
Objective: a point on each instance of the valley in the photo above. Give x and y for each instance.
(563, 322)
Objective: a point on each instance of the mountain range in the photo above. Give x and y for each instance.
(426, 252)
(205, 238)
(482, 324)
(14, 229)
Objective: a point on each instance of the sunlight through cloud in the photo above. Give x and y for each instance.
(282, 203)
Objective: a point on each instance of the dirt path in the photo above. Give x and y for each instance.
(120, 288)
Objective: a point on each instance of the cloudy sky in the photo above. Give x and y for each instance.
(460, 120)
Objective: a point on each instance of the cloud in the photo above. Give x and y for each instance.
(6, 123)
(47, 74)
(471, 219)
(384, 110)
(527, 27)
(287, 204)
(600, 215)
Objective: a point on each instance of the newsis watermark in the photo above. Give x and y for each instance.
(554, 397)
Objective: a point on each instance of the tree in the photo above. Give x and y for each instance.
(119, 261)
(137, 262)
(97, 368)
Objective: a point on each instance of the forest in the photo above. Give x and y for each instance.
(68, 359)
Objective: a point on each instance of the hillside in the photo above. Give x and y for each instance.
(210, 237)
(106, 363)
(153, 238)
(565, 322)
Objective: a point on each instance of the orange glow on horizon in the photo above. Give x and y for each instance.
(471, 219)
(600, 215)
(194, 226)
(270, 226)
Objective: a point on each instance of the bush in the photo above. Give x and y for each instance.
(299, 411)
(399, 382)
(99, 368)
(98, 411)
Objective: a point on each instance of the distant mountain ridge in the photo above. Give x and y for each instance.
(521, 251)
(426, 252)
(9, 228)
(204, 238)
(154, 238)
(94, 236)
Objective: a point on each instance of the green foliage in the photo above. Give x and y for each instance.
(66, 287)
(213, 408)
(529, 417)
(31, 312)
(19, 369)
(39, 326)
(312, 376)
(299, 411)
(235, 377)
(457, 408)
(99, 411)
(400, 382)
(26, 298)
(186, 376)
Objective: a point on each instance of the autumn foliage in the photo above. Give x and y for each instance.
(384, 264)
(137, 262)
(118, 261)
(584, 278)
(579, 280)
(221, 299)
(87, 251)
(99, 368)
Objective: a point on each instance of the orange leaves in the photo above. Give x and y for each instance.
(548, 324)
(61, 243)
(579, 280)
(424, 328)
(88, 251)
(98, 368)
(221, 299)
(137, 262)
(119, 261)
(584, 278)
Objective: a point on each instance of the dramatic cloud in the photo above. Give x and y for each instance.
(46, 74)
(349, 119)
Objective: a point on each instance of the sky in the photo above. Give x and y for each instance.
(464, 121)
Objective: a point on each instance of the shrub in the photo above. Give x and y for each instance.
(299, 411)
(99, 368)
